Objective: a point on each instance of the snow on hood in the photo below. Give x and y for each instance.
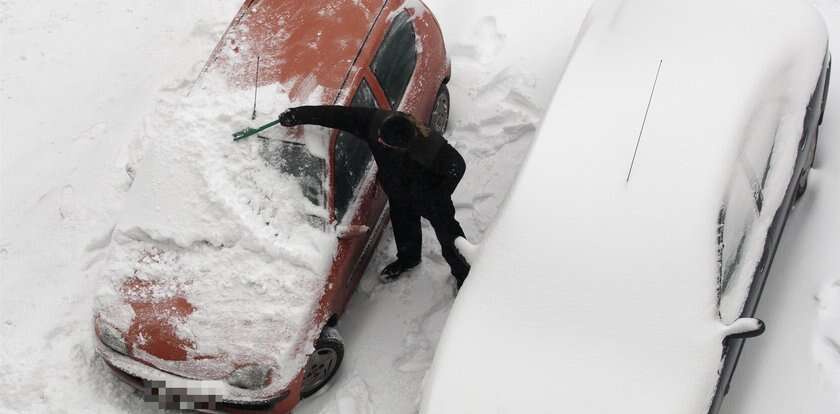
(595, 294)
(222, 256)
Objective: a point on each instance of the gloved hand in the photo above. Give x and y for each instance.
(287, 118)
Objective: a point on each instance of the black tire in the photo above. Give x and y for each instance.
(323, 363)
(439, 119)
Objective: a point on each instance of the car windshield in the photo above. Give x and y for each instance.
(294, 159)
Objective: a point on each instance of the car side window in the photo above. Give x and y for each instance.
(756, 166)
(735, 222)
(352, 157)
(395, 61)
(736, 217)
(767, 165)
(758, 149)
(746, 201)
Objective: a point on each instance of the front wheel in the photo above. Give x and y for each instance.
(323, 363)
(440, 112)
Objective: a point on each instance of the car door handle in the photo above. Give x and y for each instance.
(352, 231)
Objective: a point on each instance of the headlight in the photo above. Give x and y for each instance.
(112, 337)
(250, 377)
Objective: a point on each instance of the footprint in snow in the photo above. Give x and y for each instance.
(351, 398)
(485, 43)
(827, 341)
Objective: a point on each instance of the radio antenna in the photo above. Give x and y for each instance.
(256, 86)
(642, 130)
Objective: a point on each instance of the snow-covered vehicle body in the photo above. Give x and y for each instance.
(624, 270)
(232, 257)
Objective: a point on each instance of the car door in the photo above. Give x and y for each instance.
(357, 201)
(761, 165)
(751, 224)
(737, 226)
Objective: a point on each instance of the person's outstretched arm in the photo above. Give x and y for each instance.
(356, 121)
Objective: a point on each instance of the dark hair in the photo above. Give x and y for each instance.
(398, 130)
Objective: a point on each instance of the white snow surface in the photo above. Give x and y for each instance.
(78, 82)
(599, 291)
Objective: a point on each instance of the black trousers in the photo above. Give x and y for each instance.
(434, 204)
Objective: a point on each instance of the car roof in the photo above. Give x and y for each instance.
(305, 45)
(597, 293)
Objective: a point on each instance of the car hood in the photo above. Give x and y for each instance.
(202, 311)
(219, 259)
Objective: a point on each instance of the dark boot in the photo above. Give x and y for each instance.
(441, 214)
(407, 234)
(460, 268)
(393, 271)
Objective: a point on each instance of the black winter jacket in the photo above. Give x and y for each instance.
(423, 168)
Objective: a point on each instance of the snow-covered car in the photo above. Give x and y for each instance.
(624, 271)
(232, 261)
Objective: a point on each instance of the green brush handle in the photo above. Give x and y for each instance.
(247, 132)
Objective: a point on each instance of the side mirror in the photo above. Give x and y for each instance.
(744, 328)
(351, 231)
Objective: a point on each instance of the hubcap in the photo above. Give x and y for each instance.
(322, 364)
(440, 113)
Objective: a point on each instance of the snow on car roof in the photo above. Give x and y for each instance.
(595, 292)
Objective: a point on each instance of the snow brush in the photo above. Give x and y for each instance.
(247, 132)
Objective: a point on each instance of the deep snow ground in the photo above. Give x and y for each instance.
(78, 78)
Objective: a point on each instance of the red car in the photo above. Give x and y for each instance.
(152, 323)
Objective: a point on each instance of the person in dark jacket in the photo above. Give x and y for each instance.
(417, 169)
